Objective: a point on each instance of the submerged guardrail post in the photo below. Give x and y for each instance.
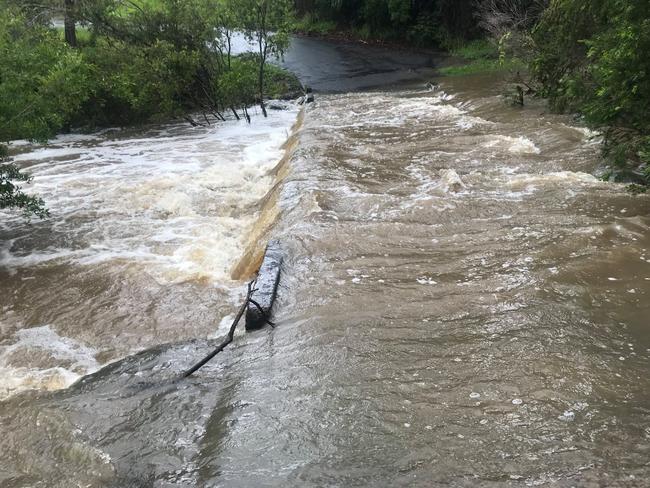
(262, 299)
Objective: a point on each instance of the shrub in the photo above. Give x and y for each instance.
(42, 81)
(592, 58)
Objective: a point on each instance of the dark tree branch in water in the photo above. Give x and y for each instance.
(229, 337)
(192, 122)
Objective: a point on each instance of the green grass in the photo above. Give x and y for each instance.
(480, 56)
(474, 50)
(83, 35)
(483, 66)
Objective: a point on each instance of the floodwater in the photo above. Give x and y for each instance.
(463, 303)
(341, 67)
(145, 230)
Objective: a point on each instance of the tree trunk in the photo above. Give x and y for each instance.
(70, 24)
(261, 88)
(228, 36)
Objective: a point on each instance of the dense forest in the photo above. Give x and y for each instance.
(442, 23)
(119, 62)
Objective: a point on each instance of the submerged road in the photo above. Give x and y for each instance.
(463, 304)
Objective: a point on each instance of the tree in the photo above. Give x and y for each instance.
(42, 80)
(267, 23)
(70, 23)
(500, 17)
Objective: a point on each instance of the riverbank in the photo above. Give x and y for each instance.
(480, 57)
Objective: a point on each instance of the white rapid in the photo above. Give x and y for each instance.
(169, 205)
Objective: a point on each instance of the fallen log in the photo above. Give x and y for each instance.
(261, 302)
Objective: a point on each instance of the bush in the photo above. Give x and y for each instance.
(237, 86)
(42, 81)
(281, 84)
(593, 58)
(310, 24)
(133, 84)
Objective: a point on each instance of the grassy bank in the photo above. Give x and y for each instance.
(310, 26)
(480, 56)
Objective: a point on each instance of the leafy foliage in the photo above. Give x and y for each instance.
(133, 83)
(237, 86)
(11, 195)
(42, 81)
(593, 58)
(138, 60)
(422, 22)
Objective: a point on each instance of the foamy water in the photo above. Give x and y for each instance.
(40, 358)
(159, 208)
(176, 199)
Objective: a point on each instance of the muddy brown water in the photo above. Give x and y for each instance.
(463, 304)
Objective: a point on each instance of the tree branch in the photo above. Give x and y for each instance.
(229, 337)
